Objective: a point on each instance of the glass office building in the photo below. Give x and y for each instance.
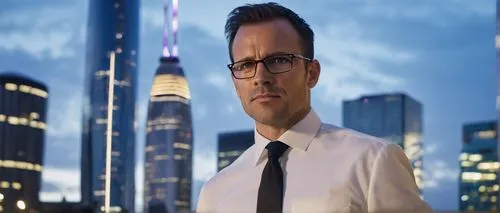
(23, 115)
(111, 49)
(394, 117)
(479, 168)
(231, 145)
(169, 141)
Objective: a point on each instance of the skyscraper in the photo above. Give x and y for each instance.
(231, 145)
(395, 117)
(23, 115)
(111, 54)
(169, 142)
(479, 168)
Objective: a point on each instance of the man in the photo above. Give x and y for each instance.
(298, 163)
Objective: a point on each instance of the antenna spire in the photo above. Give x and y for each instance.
(166, 51)
(175, 26)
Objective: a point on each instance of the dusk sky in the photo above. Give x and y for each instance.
(441, 53)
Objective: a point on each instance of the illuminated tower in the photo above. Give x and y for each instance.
(169, 144)
(479, 168)
(109, 105)
(23, 112)
(396, 118)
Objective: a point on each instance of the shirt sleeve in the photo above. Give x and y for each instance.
(204, 205)
(392, 185)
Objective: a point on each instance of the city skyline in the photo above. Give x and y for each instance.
(366, 49)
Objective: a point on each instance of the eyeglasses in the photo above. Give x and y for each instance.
(274, 64)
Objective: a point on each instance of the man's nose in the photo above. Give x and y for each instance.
(262, 75)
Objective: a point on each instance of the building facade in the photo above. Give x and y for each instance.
(23, 115)
(111, 50)
(231, 145)
(395, 117)
(479, 168)
(169, 141)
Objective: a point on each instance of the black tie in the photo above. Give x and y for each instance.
(270, 198)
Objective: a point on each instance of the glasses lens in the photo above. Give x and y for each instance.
(279, 64)
(243, 69)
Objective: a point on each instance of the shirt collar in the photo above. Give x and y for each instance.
(297, 137)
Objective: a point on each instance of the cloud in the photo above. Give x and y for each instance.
(436, 172)
(46, 32)
(352, 62)
(218, 80)
(65, 115)
(66, 181)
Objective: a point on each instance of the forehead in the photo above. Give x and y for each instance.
(261, 39)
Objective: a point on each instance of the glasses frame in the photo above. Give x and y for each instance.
(293, 56)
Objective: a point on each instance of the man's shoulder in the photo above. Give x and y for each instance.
(346, 138)
(232, 170)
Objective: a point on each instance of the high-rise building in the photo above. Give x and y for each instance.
(23, 115)
(231, 145)
(107, 178)
(169, 132)
(395, 117)
(479, 168)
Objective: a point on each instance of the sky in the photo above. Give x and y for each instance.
(441, 53)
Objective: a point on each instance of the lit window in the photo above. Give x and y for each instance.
(466, 163)
(496, 187)
(42, 125)
(11, 86)
(488, 165)
(2, 118)
(4, 184)
(13, 120)
(24, 88)
(493, 199)
(118, 50)
(1, 197)
(23, 121)
(475, 157)
(39, 92)
(35, 115)
(34, 124)
(497, 41)
(482, 188)
(16, 185)
(21, 205)
(464, 156)
(465, 197)
(119, 35)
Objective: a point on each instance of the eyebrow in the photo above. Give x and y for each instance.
(250, 58)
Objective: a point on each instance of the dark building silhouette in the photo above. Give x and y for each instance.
(231, 145)
(169, 133)
(111, 49)
(23, 115)
(479, 168)
(395, 117)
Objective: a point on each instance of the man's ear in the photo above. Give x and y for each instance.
(314, 70)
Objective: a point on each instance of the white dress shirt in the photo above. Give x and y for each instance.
(326, 169)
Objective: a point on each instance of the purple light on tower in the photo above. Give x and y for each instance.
(175, 25)
(166, 52)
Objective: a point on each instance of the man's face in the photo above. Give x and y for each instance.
(273, 99)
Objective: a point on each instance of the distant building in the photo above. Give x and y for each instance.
(23, 115)
(395, 117)
(168, 166)
(479, 168)
(112, 49)
(231, 145)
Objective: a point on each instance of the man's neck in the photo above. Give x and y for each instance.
(271, 132)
